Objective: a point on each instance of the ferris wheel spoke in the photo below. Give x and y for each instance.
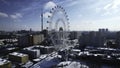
(58, 27)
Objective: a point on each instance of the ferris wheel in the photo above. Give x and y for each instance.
(58, 27)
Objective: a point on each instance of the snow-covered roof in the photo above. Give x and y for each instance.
(18, 54)
(3, 61)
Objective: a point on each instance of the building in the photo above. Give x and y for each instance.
(37, 39)
(29, 40)
(73, 35)
(118, 39)
(33, 53)
(5, 63)
(94, 38)
(18, 57)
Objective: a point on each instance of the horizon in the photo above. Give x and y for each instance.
(69, 31)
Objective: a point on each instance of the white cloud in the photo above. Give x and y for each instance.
(107, 6)
(112, 5)
(111, 8)
(19, 15)
(69, 3)
(49, 5)
(46, 14)
(101, 7)
(16, 16)
(115, 4)
(106, 13)
(3, 14)
(72, 3)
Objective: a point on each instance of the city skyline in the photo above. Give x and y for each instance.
(83, 14)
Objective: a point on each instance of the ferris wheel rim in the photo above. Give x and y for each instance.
(65, 23)
(55, 10)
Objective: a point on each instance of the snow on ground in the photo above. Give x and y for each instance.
(47, 62)
(76, 65)
(71, 64)
(52, 60)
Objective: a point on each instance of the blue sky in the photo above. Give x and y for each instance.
(83, 14)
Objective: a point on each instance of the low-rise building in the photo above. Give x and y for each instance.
(29, 40)
(18, 57)
(5, 63)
